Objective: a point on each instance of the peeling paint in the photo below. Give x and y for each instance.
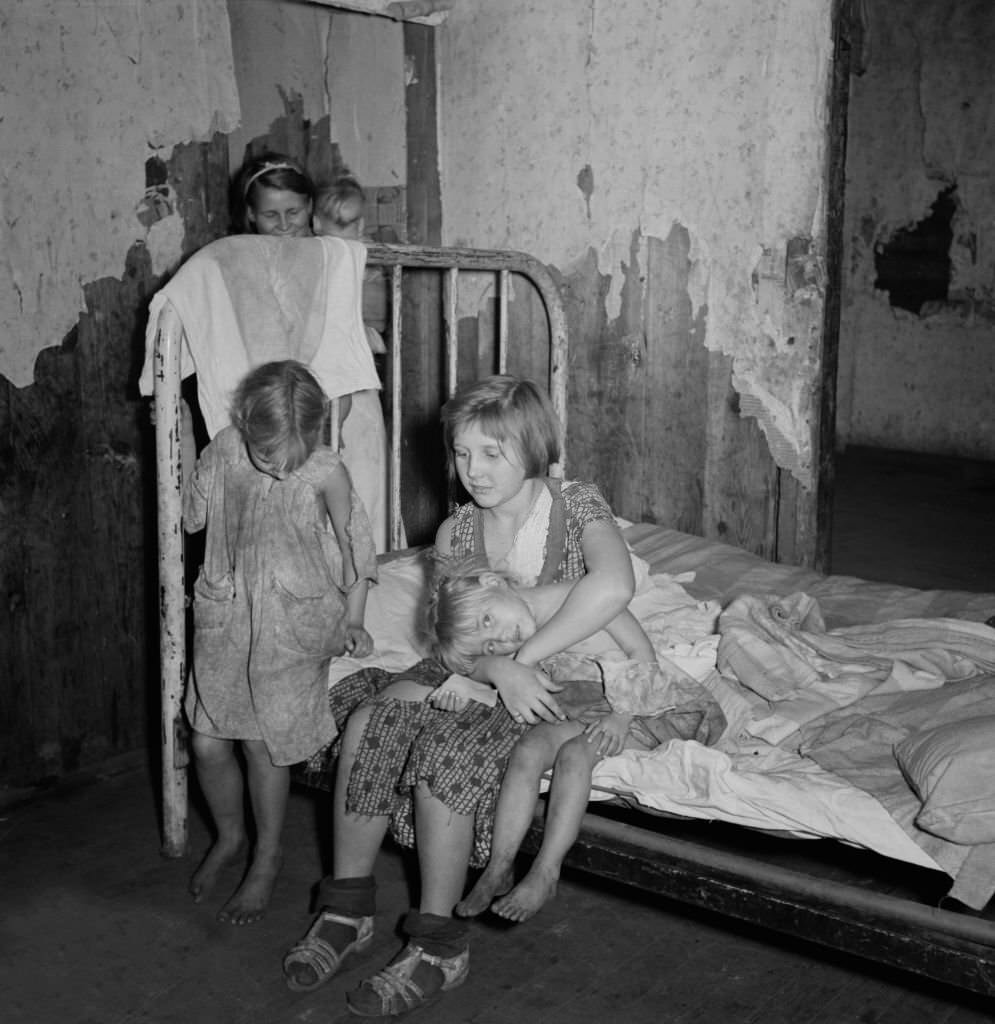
(90, 89)
(712, 118)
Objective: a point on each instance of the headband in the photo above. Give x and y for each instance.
(280, 165)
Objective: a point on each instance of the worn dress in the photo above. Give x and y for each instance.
(269, 601)
(463, 755)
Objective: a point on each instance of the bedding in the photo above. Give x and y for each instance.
(813, 711)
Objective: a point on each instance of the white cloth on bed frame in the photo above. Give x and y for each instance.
(249, 299)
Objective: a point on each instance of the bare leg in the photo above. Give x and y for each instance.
(269, 786)
(534, 753)
(444, 842)
(357, 838)
(568, 799)
(220, 777)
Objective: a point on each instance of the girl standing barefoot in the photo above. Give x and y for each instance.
(288, 560)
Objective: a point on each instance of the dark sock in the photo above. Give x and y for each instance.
(351, 897)
(438, 936)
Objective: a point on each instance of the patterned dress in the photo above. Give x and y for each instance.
(269, 601)
(461, 756)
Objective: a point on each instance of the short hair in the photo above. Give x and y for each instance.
(271, 170)
(453, 611)
(341, 202)
(512, 410)
(279, 409)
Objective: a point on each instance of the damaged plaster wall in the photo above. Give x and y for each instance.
(589, 122)
(337, 64)
(91, 91)
(922, 119)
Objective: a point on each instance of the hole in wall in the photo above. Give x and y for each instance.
(913, 266)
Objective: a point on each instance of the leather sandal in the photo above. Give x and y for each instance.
(394, 991)
(309, 963)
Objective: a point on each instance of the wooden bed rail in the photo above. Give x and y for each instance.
(168, 433)
(946, 945)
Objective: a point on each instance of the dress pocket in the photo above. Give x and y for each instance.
(213, 602)
(309, 622)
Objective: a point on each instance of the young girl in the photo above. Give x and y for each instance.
(616, 705)
(339, 213)
(276, 195)
(433, 776)
(288, 560)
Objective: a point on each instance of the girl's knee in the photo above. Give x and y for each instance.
(211, 749)
(576, 753)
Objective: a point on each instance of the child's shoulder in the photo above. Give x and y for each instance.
(320, 465)
(226, 444)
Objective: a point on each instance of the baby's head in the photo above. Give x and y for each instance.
(474, 611)
(513, 411)
(279, 409)
(338, 208)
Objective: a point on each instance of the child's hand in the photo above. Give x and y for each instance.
(447, 700)
(358, 643)
(457, 692)
(609, 734)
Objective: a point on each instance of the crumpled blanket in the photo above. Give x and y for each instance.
(666, 702)
(778, 647)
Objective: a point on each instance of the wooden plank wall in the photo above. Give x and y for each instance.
(653, 416)
(78, 672)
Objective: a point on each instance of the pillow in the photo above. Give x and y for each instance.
(952, 769)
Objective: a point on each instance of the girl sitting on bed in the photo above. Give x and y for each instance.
(430, 775)
(474, 613)
(282, 519)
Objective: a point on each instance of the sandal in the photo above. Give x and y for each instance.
(394, 991)
(312, 961)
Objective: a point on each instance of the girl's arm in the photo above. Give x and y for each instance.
(336, 489)
(627, 632)
(595, 600)
(526, 692)
(337, 492)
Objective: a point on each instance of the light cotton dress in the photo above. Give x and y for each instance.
(269, 601)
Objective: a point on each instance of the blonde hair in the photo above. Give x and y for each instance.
(512, 410)
(457, 593)
(279, 409)
(341, 203)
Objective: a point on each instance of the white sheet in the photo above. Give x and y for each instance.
(743, 780)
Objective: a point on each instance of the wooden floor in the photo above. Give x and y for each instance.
(96, 927)
(915, 519)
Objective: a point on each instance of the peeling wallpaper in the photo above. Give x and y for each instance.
(91, 91)
(589, 121)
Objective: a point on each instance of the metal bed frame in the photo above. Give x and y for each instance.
(448, 263)
(888, 924)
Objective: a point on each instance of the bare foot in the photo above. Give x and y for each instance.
(493, 882)
(251, 899)
(222, 854)
(535, 889)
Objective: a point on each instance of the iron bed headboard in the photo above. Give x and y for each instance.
(168, 439)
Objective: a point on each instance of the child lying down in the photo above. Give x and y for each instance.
(635, 699)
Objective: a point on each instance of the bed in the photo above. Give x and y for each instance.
(855, 710)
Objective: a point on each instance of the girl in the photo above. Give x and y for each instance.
(339, 213)
(474, 613)
(433, 776)
(288, 560)
(277, 196)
